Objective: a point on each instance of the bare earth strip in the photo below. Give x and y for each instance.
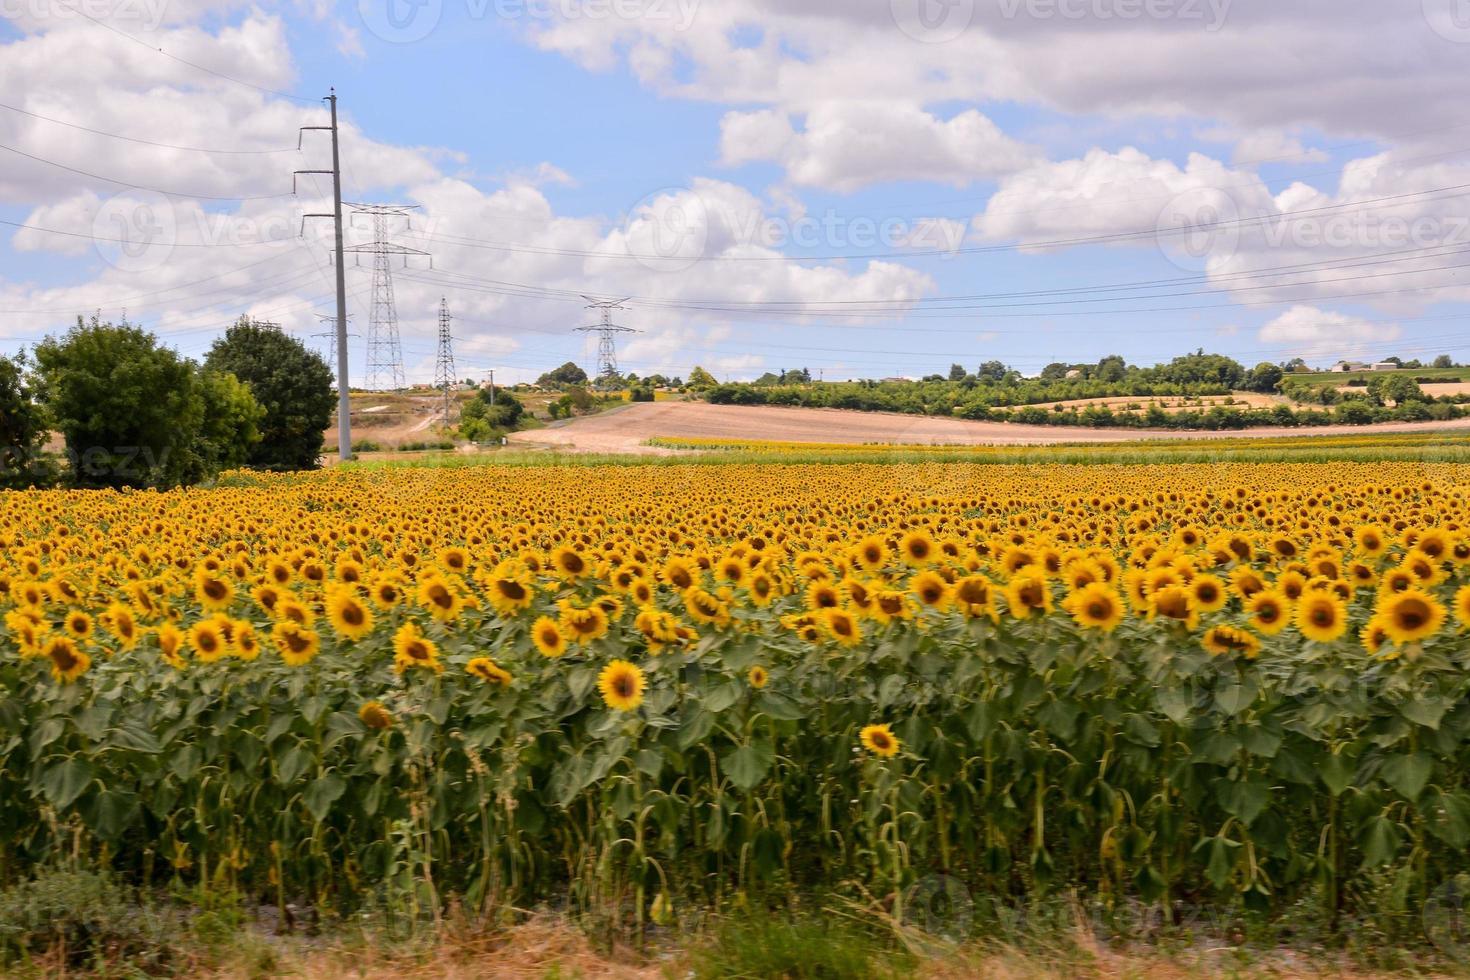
(626, 430)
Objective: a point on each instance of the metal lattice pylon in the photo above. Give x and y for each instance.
(607, 331)
(329, 320)
(444, 376)
(384, 350)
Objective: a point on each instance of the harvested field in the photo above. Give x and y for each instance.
(626, 430)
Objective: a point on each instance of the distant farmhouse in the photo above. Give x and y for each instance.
(1347, 367)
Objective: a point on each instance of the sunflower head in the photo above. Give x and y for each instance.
(880, 740)
(622, 685)
(375, 716)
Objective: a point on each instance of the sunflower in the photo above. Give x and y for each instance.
(489, 671)
(68, 661)
(880, 740)
(1222, 640)
(1028, 593)
(706, 608)
(622, 685)
(170, 640)
(247, 644)
(1462, 607)
(1321, 616)
(440, 597)
(1374, 635)
(681, 573)
(916, 548)
(758, 677)
(1270, 611)
(1095, 606)
(1208, 593)
(349, 616)
(455, 560)
(509, 588)
(213, 592)
(583, 625)
(375, 716)
(387, 591)
(208, 641)
(291, 610)
(1174, 602)
(931, 588)
(566, 562)
(412, 649)
(267, 597)
(547, 635)
(298, 645)
(843, 626)
(1410, 615)
(871, 553)
(78, 624)
(1370, 540)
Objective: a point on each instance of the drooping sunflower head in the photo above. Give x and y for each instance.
(68, 661)
(1229, 640)
(375, 716)
(488, 671)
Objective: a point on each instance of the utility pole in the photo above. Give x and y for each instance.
(444, 359)
(344, 396)
(607, 331)
(492, 387)
(384, 352)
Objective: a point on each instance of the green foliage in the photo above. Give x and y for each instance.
(22, 430)
(1264, 378)
(132, 412)
(700, 379)
(759, 945)
(568, 374)
(293, 385)
(83, 917)
(230, 428)
(479, 420)
(642, 393)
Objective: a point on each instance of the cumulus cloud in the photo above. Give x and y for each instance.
(845, 146)
(1316, 334)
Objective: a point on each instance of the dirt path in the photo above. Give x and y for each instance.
(626, 430)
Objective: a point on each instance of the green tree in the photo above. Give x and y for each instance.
(700, 379)
(1111, 368)
(1394, 389)
(293, 385)
(957, 372)
(1444, 361)
(128, 409)
(567, 374)
(22, 430)
(1263, 378)
(993, 372)
(230, 428)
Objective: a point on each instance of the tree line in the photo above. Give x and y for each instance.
(134, 413)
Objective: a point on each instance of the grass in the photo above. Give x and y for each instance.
(1337, 378)
(1450, 447)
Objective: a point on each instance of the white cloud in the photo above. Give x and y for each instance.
(1309, 332)
(845, 146)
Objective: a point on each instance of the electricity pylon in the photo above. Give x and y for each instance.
(607, 331)
(329, 320)
(384, 351)
(444, 360)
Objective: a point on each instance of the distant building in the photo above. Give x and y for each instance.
(1347, 366)
(1074, 373)
(1384, 366)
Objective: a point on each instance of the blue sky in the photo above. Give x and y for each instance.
(845, 186)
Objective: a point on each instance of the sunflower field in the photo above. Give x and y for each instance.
(634, 690)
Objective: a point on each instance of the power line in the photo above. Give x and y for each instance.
(124, 241)
(134, 139)
(444, 374)
(1155, 232)
(139, 187)
(190, 64)
(607, 331)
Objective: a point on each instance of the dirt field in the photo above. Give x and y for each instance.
(1171, 403)
(625, 430)
(1433, 390)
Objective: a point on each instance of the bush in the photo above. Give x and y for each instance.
(81, 917)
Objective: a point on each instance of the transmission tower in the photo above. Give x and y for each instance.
(329, 321)
(444, 361)
(384, 351)
(607, 332)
